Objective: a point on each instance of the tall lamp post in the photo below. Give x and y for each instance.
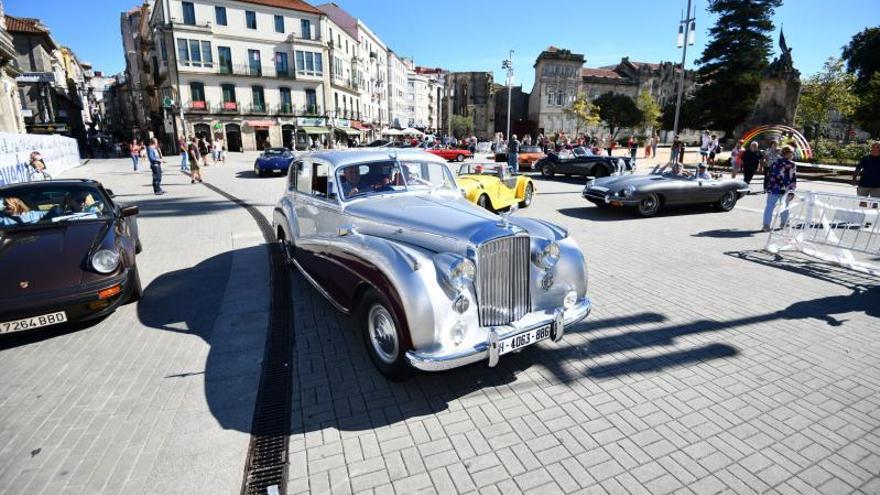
(508, 64)
(686, 28)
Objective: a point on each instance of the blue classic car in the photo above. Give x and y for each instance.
(273, 160)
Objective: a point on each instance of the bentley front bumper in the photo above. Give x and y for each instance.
(444, 360)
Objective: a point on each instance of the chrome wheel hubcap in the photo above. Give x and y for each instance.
(383, 334)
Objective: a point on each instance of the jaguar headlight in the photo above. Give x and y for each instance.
(105, 261)
(547, 257)
(628, 191)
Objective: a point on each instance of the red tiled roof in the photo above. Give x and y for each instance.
(24, 25)
(605, 73)
(299, 5)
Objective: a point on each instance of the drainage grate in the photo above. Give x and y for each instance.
(266, 464)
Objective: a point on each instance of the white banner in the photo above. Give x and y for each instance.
(60, 153)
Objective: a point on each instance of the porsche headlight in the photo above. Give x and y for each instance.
(105, 261)
(547, 257)
(628, 191)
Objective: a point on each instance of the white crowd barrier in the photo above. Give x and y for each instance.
(60, 153)
(837, 228)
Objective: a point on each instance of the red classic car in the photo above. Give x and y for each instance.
(451, 154)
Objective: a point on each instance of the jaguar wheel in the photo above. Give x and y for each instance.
(649, 205)
(602, 172)
(527, 197)
(382, 336)
(727, 201)
(483, 202)
(547, 170)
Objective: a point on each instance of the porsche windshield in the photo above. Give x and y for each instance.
(392, 177)
(50, 204)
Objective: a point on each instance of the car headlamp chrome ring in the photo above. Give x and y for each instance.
(105, 261)
(462, 272)
(628, 191)
(548, 256)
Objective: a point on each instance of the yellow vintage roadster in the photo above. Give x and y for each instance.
(493, 188)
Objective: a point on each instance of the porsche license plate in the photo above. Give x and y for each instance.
(33, 322)
(524, 339)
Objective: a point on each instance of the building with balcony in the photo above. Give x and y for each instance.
(398, 103)
(244, 70)
(436, 89)
(11, 118)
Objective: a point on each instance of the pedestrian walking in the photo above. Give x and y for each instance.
(705, 141)
(215, 151)
(134, 150)
(633, 147)
(195, 160)
(714, 148)
(204, 151)
(736, 159)
(782, 184)
(770, 156)
(867, 174)
(675, 150)
(513, 154)
(655, 140)
(184, 158)
(751, 161)
(648, 143)
(155, 158)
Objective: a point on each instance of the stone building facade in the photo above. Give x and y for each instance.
(471, 94)
(11, 119)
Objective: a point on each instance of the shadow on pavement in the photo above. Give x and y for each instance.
(616, 214)
(189, 302)
(170, 206)
(249, 174)
(727, 233)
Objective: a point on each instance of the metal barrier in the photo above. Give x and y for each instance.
(837, 228)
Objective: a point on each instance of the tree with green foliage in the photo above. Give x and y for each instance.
(862, 56)
(462, 125)
(729, 76)
(583, 112)
(689, 118)
(650, 110)
(827, 91)
(618, 111)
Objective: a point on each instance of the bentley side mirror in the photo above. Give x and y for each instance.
(128, 211)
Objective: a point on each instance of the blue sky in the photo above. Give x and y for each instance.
(477, 34)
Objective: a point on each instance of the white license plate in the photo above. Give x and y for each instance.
(524, 339)
(33, 322)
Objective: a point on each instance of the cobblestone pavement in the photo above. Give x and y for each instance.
(706, 367)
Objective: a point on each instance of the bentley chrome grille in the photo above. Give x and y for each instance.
(503, 280)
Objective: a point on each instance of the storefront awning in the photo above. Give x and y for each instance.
(349, 131)
(260, 123)
(314, 130)
(358, 125)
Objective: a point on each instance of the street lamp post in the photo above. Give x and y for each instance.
(686, 28)
(508, 64)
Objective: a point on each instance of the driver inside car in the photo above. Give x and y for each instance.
(352, 176)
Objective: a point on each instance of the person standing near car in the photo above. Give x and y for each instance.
(675, 150)
(867, 174)
(513, 154)
(705, 142)
(184, 158)
(134, 150)
(155, 158)
(633, 147)
(782, 183)
(770, 157)
(195, 160)
(751, 160)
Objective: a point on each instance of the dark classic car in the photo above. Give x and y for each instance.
(67, 253)
(582, 162)
(433, 281)
(273, 160)
(649, 193)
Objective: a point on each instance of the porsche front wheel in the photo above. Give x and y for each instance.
(527, 197)
(649, 205)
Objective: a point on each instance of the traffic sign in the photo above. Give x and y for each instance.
(167, 101)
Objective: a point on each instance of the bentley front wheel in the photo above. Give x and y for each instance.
(382, 337)
(649, 205)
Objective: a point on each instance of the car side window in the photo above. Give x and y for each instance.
(322, 186)
(303, 177)
(292, 172)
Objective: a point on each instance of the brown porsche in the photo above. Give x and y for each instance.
(67, 253)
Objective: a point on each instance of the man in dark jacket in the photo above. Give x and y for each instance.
(867, 173)
(751, 160)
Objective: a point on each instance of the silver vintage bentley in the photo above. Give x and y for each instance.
(433, 281)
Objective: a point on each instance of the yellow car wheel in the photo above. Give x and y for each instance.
(528, 195)
(483, 202)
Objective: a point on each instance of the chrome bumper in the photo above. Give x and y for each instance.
(440, 361)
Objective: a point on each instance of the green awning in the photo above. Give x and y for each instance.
(349, 131)
(314, 130)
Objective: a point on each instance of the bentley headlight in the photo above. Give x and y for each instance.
(462, 273)
(628, 191)
(570, 299)
(105, 261)
(548, 257)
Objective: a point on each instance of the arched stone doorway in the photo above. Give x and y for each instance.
(202, 131)
(233, 137)
(287, 136)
